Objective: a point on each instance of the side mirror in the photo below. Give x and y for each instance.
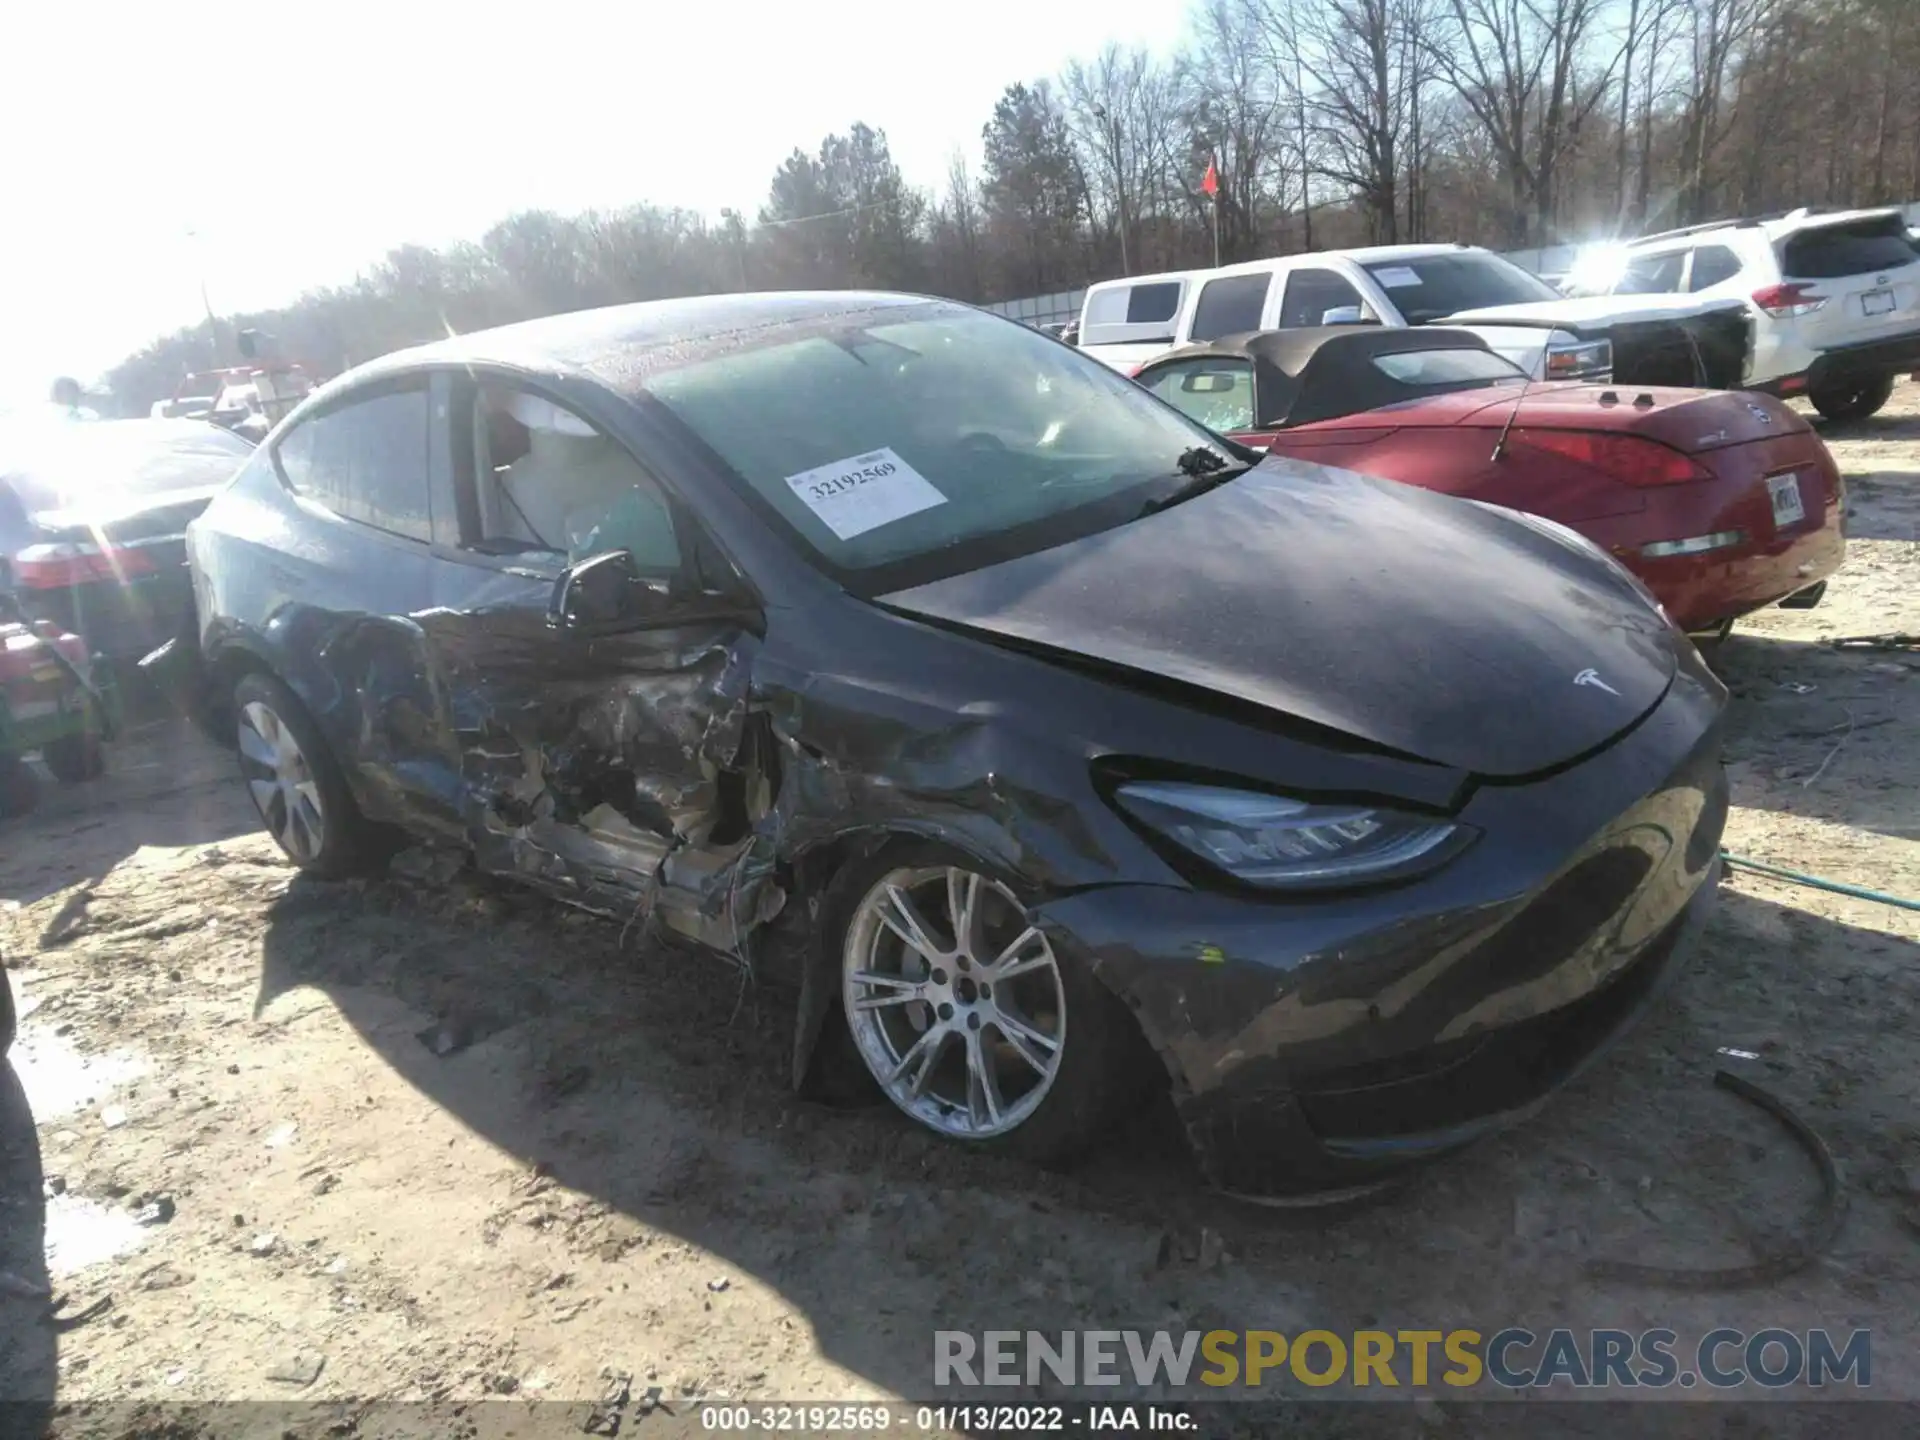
(1348, 315)
(601, 593)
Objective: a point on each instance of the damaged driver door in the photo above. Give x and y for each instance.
(594, 671)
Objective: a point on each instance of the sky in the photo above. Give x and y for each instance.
(269, 148)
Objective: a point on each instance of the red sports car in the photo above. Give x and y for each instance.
(1721, 502)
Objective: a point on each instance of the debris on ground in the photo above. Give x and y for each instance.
(155, 1211)
(606, 1414)
(1796, 1253)
(299, 1369)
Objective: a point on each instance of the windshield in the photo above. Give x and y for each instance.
(885, 441)
(64, 466)
(1435, 286)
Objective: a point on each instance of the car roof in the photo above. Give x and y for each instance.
(1163, 277)
(1770, 227)
(1320, 371)
(1365, 255)
(620, 346)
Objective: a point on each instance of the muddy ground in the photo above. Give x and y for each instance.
(446, 1142)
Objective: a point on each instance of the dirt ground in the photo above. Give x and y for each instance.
(448, 1142)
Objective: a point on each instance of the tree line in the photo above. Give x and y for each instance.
(1508, 123)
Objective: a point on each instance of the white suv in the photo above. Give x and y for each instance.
(1834, 298)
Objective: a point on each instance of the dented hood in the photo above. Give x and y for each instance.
(1439, 628)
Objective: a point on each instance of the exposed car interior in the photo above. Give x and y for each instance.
(549, 481)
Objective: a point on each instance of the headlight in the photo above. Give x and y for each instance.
(1274, 842)
(1579, 360)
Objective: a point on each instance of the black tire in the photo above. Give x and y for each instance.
(75, 759)
(1854, 400)
(348, 844)
(1104, 1060)
(19, 787)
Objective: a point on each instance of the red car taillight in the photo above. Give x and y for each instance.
(54, 567)
(1627, 458)
(1783, 302)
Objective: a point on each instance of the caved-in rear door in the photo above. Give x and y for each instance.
(585, 757)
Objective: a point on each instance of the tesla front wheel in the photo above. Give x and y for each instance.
(968, 1017)
(299, 791)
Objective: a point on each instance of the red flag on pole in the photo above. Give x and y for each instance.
(1210, 182)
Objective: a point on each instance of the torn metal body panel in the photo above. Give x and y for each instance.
(703, 749)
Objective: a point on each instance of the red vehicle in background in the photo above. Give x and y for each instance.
(1721, 502)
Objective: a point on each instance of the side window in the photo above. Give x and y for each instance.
(1230, 305)
(1711, 265)
(1311, 294)
(1216, 391)
(1132, 314)
(1152, 304)
(365, 460)
(546, 480)
(1652, 274)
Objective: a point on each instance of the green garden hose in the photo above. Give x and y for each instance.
(1814, 882)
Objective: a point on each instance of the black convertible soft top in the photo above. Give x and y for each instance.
(1321, 371)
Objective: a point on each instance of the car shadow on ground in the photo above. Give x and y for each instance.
(165, 785)
(27, 1339)
(1884, 505)
(648, 1083)
(1818, 731)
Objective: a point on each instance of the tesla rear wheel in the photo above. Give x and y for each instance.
(1855, 400)
(967, 1016)
(299, 791)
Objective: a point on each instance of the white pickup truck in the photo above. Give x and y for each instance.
(1675, 339)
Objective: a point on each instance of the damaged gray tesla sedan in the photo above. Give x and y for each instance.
(1060, 746)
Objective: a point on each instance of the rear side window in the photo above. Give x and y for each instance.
(1231, 305)
(1833, 251)
(366, 461)
(1311, 294)
(1653, 274)
(1215, 391)
(1132, 314)
(1711, 265)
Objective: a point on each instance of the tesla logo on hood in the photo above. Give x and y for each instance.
(1592, 677)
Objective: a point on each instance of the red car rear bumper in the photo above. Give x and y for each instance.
(1769, 564)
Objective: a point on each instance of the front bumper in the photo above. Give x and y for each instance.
(1315, 1046)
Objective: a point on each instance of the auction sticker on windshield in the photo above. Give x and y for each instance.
(864, 492)
(1397, 277)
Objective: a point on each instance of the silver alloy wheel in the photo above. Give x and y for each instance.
(955, 1001)
(281, 782)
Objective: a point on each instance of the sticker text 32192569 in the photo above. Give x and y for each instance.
(864, 492)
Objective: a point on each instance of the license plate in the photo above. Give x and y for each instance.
(1787, 509)
(1876, 302)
